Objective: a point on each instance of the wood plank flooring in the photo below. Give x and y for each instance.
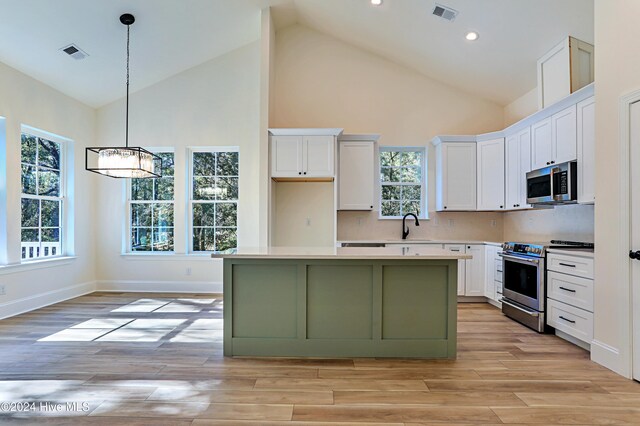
(156, 359)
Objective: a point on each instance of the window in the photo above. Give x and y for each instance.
(151, 210)
(41, 197)
(402, 186)
(214, 200)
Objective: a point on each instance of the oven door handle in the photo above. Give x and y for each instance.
(519, 259)
(513, 305)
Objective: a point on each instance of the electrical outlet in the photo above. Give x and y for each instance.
(359, 221)
(2, 291)
(188, 271)
(450, 223)
(308, 221)
(494, 223)
(435, 222)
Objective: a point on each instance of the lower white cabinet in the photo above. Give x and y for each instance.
(493, 273)
(474, 270)
(571, 320)
(459, 248)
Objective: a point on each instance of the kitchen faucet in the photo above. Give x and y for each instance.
(405, 228)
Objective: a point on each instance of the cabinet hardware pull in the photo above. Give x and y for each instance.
(567, 320)
(567, 289)
(299, 173)
(567, 264)
(445, 207)
(548, 163)
(501, 207)
(553, 162)
(305, 173)
(371, 206)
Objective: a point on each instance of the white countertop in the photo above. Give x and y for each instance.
(341, 253)
(416, 241)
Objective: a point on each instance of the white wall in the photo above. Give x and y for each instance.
(617, 73)
(324, 82)
(25, 101)
(522, 107)
(214, 104)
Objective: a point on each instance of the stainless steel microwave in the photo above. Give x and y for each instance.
(556, 184)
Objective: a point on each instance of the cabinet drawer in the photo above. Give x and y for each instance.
(574, 291)
(498, 265)
(573, 321)
(499, 289)
(573, 265)
(498, 276)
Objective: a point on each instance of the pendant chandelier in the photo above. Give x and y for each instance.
(124, 162)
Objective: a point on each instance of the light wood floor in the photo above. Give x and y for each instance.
(157, 360)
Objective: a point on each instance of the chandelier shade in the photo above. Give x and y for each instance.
(126, 161)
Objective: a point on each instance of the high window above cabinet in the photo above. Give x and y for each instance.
(303, 154)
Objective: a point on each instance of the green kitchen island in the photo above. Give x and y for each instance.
(340, 302)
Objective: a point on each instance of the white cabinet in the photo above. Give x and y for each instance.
(554, 139)
(356, 175)
(459, 248)
(490, 180)
(455, 175)
(566, 68)
(295, 156)
(493, 274)
(475, 270)
(517, 164)
(586, 151)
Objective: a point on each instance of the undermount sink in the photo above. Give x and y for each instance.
(363, 245)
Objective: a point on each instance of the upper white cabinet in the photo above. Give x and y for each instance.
(303, 153)
(566, 68)
(490, 181)
(586, 151)
(517, 164)
(455, 175)
(356, 173)
(553, 139)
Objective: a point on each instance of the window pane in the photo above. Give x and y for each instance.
(164, 188)
(203, 239)
(227, 189)
(391, 192)
(203, 214)
(163, 214)
(390, 208)
(167, 163)
(50, 235)
(411, 207)
(411, 174)
(204, 163)
(141, 214)
(389, 158)
(411, 158)
(411, 192)
(28, 149)
(29, 180)
(30, 213)
(141, 239)
(50, 213)
(390, 175)
(48, 182)
(204, 188)
(227, 164)
(225, 239)
(48, 154)
(163, 239)
(142, 189)
(29, 236)
(226, 214)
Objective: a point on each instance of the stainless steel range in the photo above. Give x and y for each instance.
(524, 278)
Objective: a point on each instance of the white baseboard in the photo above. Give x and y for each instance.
(571, 339)
(160, 286)
(609, 357)
(26, 304)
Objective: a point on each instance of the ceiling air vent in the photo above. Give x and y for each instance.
(444, 12)
(74, 51)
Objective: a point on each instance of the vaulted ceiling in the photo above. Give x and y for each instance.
(171, 36)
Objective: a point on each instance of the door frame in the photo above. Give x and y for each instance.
(625, 265)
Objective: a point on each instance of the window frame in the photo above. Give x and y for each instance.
(424, 213)
(189, 198)
(63, 223)
(129, 202)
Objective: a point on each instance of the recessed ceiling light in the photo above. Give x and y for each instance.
(376, 2)
(472, 36)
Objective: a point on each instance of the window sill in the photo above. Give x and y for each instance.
(163, 257)
(36, 264)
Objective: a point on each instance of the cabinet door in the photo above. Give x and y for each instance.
(490, 272)
(318, 154)
(458, 181)
(286, 156)
(356, 175)
(490, 185)
(586, 151)
(517, 164)
(459, 248)
(564, 138)
(541, 150)
(474, 271)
